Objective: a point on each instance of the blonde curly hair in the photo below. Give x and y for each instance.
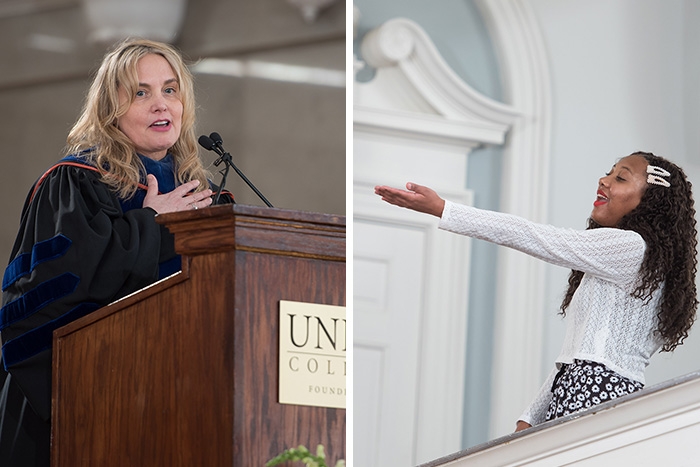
(97, 135)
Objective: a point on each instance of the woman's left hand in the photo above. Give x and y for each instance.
(177, 200)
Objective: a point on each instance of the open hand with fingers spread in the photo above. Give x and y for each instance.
(418, 198)
(176, 200)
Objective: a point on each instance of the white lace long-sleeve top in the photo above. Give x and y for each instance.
(605, 323)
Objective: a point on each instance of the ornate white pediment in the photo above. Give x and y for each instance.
(415, 93)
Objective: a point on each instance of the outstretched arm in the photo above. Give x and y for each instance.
(419, 198)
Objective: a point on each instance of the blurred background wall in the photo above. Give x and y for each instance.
(269, 77)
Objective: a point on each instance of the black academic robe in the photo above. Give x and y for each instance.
(79, 247)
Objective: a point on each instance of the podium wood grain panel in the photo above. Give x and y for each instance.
(185, 372)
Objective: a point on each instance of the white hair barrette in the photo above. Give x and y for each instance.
(656, 174)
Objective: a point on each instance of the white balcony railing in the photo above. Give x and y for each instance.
(658, 426)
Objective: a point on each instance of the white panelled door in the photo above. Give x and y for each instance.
(409, 334)
(387, 283)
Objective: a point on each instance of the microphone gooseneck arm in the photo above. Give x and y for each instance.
(215, 143)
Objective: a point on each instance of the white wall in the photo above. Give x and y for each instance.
(623, 77)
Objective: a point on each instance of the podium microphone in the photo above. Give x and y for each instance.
(215, 143)
(216, 139)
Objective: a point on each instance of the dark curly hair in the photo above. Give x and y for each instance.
(665, 218)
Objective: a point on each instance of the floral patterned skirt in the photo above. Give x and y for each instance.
(584, 384)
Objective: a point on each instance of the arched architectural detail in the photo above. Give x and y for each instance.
(417, 117)
(416, 120)
(517, 363)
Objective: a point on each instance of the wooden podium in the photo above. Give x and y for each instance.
(185, 372)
